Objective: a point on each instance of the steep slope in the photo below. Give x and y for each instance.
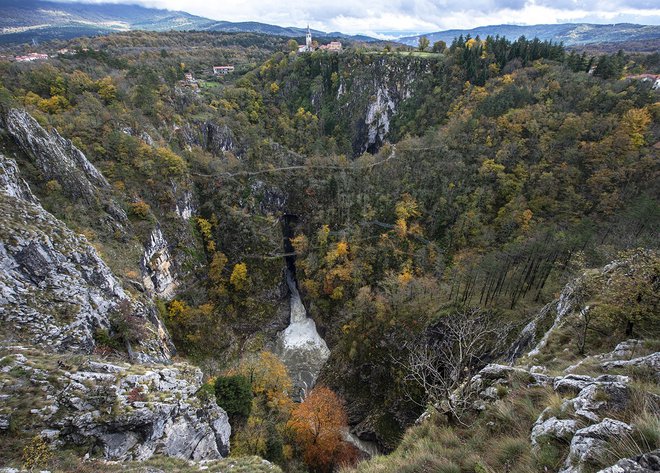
(56, 290)
(555, 409)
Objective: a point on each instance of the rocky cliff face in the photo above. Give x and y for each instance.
(210, 136)
(118, 411)
(56, 157)
(373, 98)
(59, 160)
(55, 290)
(156, 265)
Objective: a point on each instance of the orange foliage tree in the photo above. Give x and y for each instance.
(317, 424)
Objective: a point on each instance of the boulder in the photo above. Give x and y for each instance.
(562, 429)
(589, 444)
(572, 383)
(644, 463)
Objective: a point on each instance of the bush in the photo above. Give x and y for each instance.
(234, 395)
(36, 453)
(140, 209)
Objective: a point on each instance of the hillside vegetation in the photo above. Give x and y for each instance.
(405, 191)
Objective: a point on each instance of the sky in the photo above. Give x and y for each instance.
(391, 18)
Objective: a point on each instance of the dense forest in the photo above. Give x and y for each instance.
(409, 188)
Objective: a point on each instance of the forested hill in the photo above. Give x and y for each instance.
(411, 189)
(570, 34)
(41, 20)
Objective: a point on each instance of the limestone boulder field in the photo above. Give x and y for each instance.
(117, 411)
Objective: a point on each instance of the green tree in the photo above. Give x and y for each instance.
(439, 46)
(234, 395)
(423, 43)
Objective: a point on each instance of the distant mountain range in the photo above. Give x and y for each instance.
(40, 20)
(27, 20)
(571, 34)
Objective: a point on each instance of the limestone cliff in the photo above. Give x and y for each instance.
(55, 290)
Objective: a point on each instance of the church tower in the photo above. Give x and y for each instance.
(308, 41)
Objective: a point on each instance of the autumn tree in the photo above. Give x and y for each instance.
(317, 423)
(423, 43)
(239, 276)
(264, 433)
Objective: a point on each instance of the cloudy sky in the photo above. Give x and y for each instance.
(384, 17)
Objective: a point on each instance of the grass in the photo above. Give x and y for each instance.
(496, 440)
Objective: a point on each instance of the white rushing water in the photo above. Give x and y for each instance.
(300, 346)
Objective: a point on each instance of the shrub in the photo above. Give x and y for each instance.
(36, 453)
(206, 391)
(53, 186)
(234, 395)
(136, 395)
(140, 209)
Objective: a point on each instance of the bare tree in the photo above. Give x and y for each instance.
(450, 352)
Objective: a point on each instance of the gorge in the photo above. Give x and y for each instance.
(262, 272)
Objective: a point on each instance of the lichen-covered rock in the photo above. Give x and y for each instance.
(56, 291)
(562, 429)
(572, 383)
(644, 463)
(156, 264)
(121, 411)
(589, 444)
(11, 182)
(651, 361)
(601, 396)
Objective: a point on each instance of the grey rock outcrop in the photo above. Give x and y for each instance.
(212, 137)
(562, 429)
(124, 413)
(644, 463)
(589, 444)
(651, 361)
(156, 264)
(11, 182)
(56, 157)
(56, 291)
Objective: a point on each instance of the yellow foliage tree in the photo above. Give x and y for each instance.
(636, 122)
(239, 276)
(107, 89)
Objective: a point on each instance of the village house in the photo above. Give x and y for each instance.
(31, 57)
(218, 70)
(654, 78)
(333, 46)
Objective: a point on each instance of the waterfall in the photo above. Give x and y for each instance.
(300, 346)
(298, 312)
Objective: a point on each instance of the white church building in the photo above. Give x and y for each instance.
(333, 46)
(307, 47)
